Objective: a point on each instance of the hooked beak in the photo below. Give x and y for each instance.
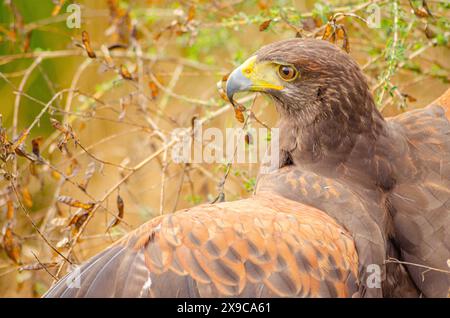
(252, 76)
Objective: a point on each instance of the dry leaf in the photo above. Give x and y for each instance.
(125, 73)
(263, 5)
(78, 220)
(420, 12)
(26, 197)
(35, 143)
(153, 89)
(56, 124)
(81, 126)
(113, 8)
(12, 245)
(67, 132)
(33, 170)
(75, 203)
(340, 34)
(88, 175)
(263, 26)
(248, 138)
(87, 44)
(239, 114)
(220, 87)
(345, 41)
(27, 41)
(9, 209)
(191, 13)
(318, 21)
(56, 175)
(429, 33)
(157, 36)
(409, 98)
(334, 32)
(329, 30)
(120, 209)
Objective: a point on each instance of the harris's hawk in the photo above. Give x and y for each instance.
(345, 152)
(314, 225)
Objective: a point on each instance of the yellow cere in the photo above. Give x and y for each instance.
(263, 75)
(247, 66)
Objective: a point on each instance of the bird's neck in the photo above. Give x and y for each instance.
(343, 142)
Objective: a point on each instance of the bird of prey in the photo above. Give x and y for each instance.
(352, 190)
(397, 170)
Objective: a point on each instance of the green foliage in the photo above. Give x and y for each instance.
(322, 10)
(205, 43)
(250, 184)
(194, 199)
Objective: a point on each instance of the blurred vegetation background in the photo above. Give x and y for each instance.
(87, 113)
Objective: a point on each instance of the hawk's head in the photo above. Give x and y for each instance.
(309, 79)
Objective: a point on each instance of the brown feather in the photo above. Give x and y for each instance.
(275, 261)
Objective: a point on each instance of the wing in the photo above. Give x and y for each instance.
(421, 199)
(266, 246)
(356, 214)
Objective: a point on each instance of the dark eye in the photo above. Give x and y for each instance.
(287, 73)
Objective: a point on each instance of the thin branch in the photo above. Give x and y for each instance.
(394, 260)
(27, 214)
(17, 103)
(43, 265)
(163, 183)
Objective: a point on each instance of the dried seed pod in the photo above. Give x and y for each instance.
(239, 112)
(191, 13)
(56, 175)
(10, 209)
(248, 138)
(153, 89)
(120, 209)
(75, 203)
(78, 220)
(87, 45)
(88, 175)
(12, 245)
(263, 26)
(26, 197)
(35, 143)
(125, 73)
(221, 87)
(328, 32)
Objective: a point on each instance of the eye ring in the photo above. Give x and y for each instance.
(287, 73)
